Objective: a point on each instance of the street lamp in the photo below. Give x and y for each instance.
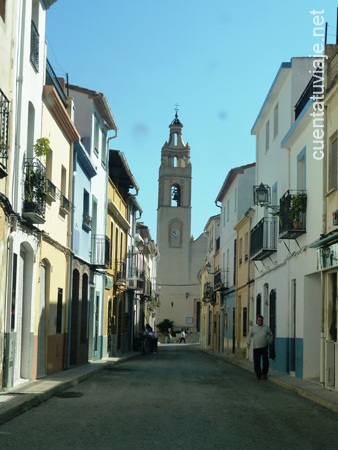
(262, 197)
(262, 194)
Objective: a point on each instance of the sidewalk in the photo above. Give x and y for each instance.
(28, 394)
(308, 389)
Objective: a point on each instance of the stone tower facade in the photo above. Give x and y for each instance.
(181, 257)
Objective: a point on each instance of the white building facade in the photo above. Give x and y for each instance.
(287, 287)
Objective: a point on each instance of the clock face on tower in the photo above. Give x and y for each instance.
(175, 233)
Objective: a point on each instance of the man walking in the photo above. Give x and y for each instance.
(261, 336)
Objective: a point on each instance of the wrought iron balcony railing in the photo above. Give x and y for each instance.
(65, 205)
(221, 279)
(34, 206)
(86, 221)
(51, 190)
(292, 214)
(52, 80)
(120, 272)
(4, 124)
(208, 293)
(263, 239)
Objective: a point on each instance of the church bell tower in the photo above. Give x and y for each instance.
(174, 228)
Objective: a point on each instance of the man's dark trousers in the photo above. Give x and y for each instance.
(259, 353)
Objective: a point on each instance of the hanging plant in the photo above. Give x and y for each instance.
(42, 147)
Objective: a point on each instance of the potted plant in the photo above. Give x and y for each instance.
(296, 210)
(42, 147)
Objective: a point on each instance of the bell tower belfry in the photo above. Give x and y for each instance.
(177, 267)
(174, 193)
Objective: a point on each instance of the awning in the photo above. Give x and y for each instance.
(330, 238)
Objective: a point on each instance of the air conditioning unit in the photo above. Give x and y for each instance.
(335, 217)
(131, 283)
(134, 283)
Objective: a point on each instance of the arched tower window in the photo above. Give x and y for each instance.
(175, 195)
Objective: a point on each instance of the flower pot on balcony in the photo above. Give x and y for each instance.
(297, 225)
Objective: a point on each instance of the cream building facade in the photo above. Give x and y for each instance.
(181, 257)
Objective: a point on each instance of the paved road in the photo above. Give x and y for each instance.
(180, 398)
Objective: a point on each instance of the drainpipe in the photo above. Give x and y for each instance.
(322, 273)
(250, 213)
(16, 161)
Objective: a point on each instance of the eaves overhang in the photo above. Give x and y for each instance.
(48, 3)
(119, 170)
(57, 109)
(84, 160)
(101, 104)
(232, 174)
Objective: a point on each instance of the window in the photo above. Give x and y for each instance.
(246, 246)
(175, 195)
(301, 170)
(245, 321)
(275, 121)
(333, 161)
(103, 148)
(59, 311)
(228, 210)
(86, 219)
(267, 135)
(258, 305)
(34, 54)
(240, 251)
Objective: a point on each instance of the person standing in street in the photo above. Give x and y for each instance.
(261, 336)
(182, 339)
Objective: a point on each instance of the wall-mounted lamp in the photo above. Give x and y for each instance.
(187, 295)
(262, 196)
(208, 267)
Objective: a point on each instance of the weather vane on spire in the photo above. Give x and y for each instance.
(176, 121)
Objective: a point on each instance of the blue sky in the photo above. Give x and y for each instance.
(217, 60)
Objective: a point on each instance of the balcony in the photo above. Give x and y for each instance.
(65, 205)
(263, 239)
(34, 206)
(52, 80)
(120, 273)
(292, 214)
(100, 251)
(51, 191)
(208, 293)
(221, 279)
(4, 118)
(86, 222)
